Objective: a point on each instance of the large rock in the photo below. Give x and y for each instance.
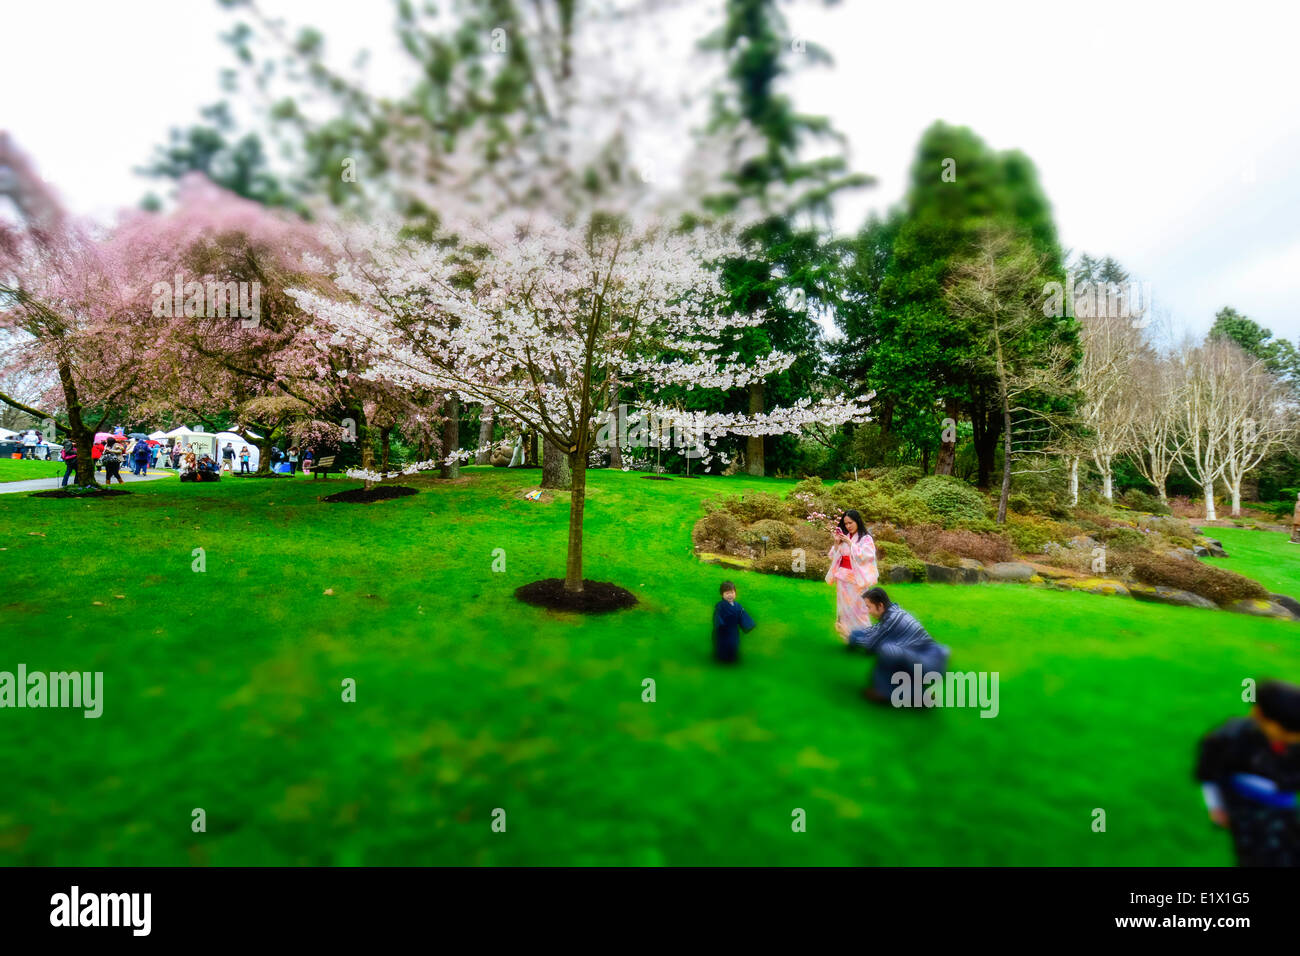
(1105, 586)
(1082, 542)
(1010, 571)
(899, 574)
(1053, 573)
(964, 574)
(1180, 553)
(1290, 603)
(500, 456)
(1261, 608)
(1166, 595)
(1215, 547)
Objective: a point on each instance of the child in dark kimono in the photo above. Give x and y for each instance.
(1250, 771)
(728, 620)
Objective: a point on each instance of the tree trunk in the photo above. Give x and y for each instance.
(385, 436)
(985, 436)
(925, 461)
(451, 436)
(943, 465)
(486, 419)
(530, 449)
(1236, 498)
(264, 452)
(1207, 489)
(577, 501)
(1074, 482)
(81, 433)
(754, 464)
(1006, 428)
(616, 446)
(556, 472)
(1006, 460)
(1107, 480)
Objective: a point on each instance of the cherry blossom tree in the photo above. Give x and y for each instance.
(533, 314)
(264, 363)
(66, 321)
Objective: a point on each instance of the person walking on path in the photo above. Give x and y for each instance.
(112, 460)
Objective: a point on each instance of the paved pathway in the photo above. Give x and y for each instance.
(45, 484)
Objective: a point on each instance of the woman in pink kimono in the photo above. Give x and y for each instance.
(852, 570)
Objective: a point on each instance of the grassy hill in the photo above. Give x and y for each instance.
(223, 692)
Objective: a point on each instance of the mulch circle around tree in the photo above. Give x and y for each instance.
(367, 495)
(656, 478)
(597, 596)
(84, 494)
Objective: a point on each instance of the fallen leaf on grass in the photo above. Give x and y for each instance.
(329, 590)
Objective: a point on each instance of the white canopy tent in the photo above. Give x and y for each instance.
(158, 436)
(238, 441)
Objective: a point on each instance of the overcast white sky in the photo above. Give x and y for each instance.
(1165, 134)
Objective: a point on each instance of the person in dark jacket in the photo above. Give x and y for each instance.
(729, 618)
(899, 642)
(140, 458)
(69, 456)
(1249, 770)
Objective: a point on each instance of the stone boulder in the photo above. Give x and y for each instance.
(1053, 573)
(1214, 546)
(1010, 571)
(1290, 603)
(1166, 595)
(969, 572)
(1106, 586)
(500, 457)
(1259, 607)
(899, 574)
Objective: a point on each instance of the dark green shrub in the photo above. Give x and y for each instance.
(951, 498)
(750, 507)
(1139, 500)
(1020, 504)
(1120, 538)
(894, 480)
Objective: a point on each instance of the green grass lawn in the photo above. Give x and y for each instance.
(19, 469)
(223, 691)
(1267, 556)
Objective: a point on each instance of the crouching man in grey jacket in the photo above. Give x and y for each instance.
(899, 642)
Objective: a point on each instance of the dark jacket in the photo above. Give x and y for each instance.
(1263, 834)
(898, 629)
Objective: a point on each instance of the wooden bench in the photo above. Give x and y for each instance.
(325, 464)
